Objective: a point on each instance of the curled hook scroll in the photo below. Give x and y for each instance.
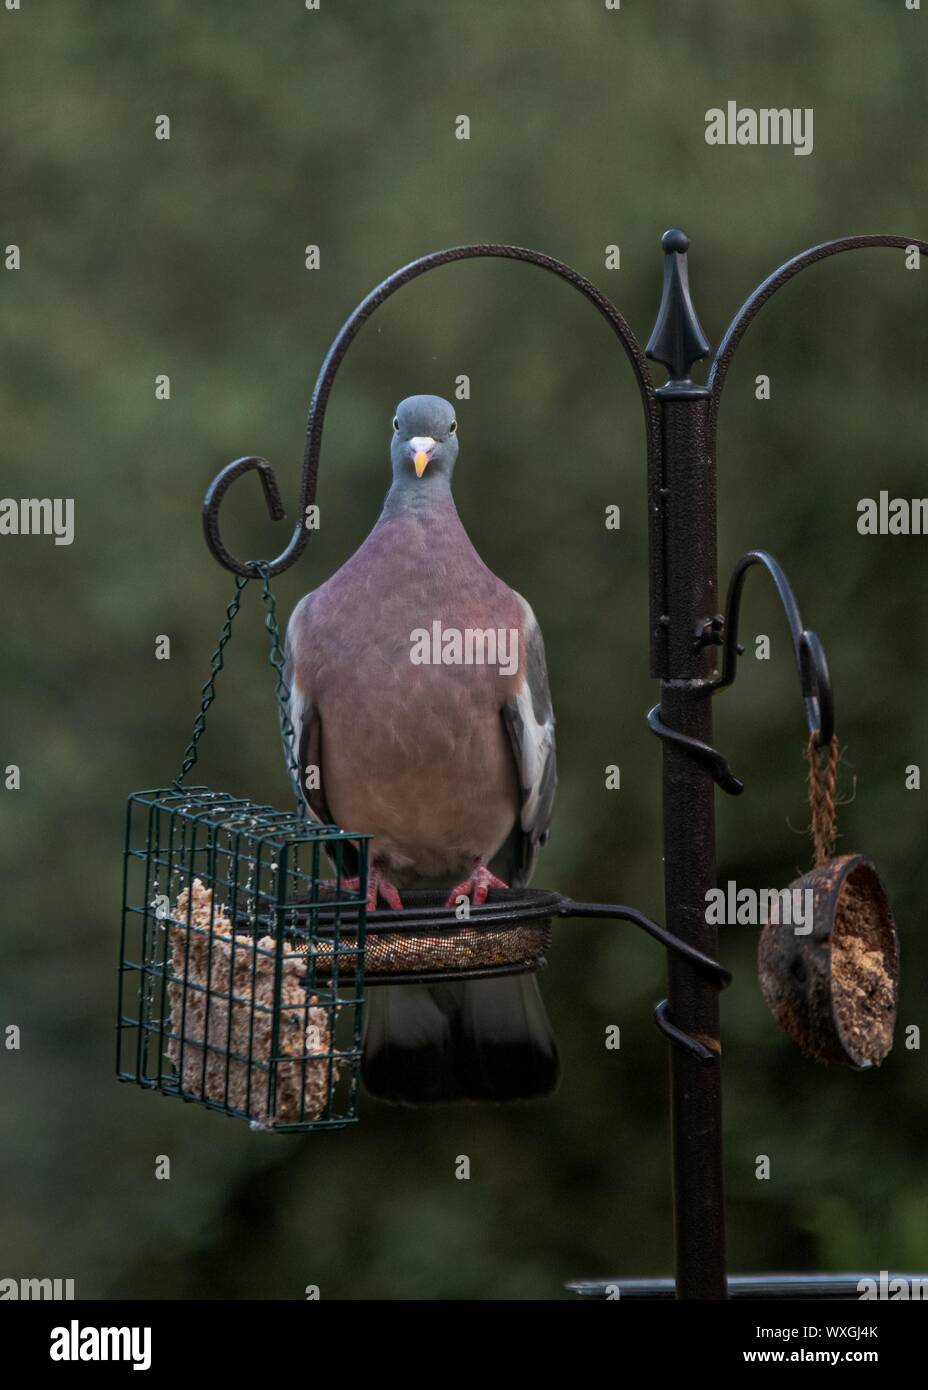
(333, 359)
(810, 655)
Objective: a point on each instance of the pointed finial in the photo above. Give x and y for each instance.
(677, 340)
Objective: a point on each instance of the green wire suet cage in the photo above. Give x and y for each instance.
(240, 976)
(232, 993)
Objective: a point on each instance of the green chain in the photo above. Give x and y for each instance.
(276, 659)
(282, 690)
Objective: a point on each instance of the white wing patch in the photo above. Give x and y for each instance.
(295, 711)
(535, 744)
(534, 721)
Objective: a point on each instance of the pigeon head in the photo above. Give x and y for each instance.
(425, 442)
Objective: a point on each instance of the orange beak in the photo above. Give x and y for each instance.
(421, 446)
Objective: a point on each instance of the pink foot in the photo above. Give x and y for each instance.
(377, 885)
(476, 887)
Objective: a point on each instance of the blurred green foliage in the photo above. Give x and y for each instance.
(185, 257)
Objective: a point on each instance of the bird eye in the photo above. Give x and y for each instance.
(452, 428)
(396, 424)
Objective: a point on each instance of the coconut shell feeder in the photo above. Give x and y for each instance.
(247, 946)
(834, 990)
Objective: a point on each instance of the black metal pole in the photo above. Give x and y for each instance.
(684, 608)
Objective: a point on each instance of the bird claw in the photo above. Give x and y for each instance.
(476, 887)
(377, 885)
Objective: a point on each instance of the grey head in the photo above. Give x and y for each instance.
(424, 444)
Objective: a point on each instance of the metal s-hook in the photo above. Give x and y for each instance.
(816, 688)
(811, 664)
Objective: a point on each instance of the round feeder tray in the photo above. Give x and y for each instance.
(507, 935)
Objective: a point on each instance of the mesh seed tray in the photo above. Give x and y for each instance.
(509, 934)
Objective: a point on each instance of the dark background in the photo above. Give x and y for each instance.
(185, 257)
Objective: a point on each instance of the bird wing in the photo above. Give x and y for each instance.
(305, 746)
(529, 721)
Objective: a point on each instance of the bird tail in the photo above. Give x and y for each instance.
(486, 1040)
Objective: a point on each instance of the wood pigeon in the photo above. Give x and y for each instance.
(418, 689)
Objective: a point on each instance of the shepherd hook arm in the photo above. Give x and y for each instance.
(333, 360)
